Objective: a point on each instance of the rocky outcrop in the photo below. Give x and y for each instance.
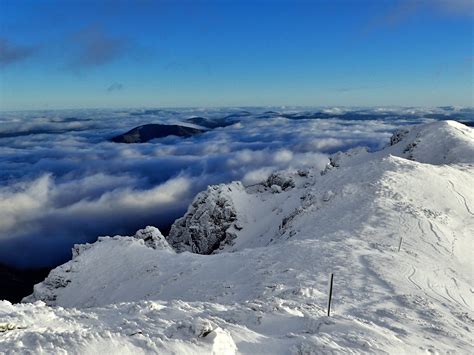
(282, 180)
(210, 222)
(341, 158)
(148, 132)
(153, 238)
(398, 135)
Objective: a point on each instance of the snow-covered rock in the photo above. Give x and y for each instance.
(282, 179)
(341, 158)
(395, 227)
(153, 238)
(209, 223)
(276, 189)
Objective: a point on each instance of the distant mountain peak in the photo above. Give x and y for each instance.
(147, 132)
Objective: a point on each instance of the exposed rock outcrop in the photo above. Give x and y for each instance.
(398, 135)
(153, 238)
(209, 221)
(281, 179)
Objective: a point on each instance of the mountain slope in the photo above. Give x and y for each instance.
(395, 228)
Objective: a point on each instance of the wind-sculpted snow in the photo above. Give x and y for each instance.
(63, 182)
(395, 232)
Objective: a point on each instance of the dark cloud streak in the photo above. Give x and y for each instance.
(94, 47)
(11, 53)
(115, 87)
(403, 10)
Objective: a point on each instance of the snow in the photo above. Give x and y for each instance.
(264, 289)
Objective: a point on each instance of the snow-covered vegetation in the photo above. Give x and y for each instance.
(246, 269)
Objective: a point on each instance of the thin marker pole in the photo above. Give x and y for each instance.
(400, 244)
(330, 294)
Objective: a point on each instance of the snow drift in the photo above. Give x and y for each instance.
(395, 228)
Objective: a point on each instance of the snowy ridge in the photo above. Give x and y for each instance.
(264, 287)
(437, 143)
(425, 144)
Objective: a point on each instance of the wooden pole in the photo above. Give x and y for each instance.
(400, 244)
(330, 294)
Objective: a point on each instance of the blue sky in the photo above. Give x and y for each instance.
(80, 54)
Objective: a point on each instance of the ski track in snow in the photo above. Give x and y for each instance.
(423, 239)
(459, 293)
(438, 237)
(410, 278)
(462, 197)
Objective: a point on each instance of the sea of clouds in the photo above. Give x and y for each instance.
(63, 182)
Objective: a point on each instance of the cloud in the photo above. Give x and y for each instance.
(62, 182)
(115, 87)
(11, 53)
(45, 217)
(93, 47)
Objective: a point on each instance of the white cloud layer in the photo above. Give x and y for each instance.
(62, 182)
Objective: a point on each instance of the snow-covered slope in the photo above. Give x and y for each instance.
(437, 143)
(395, 228)
(443, 142)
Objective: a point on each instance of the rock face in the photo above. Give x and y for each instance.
(148, 132)
(280, 179)
(209, 222)
(398, 135)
